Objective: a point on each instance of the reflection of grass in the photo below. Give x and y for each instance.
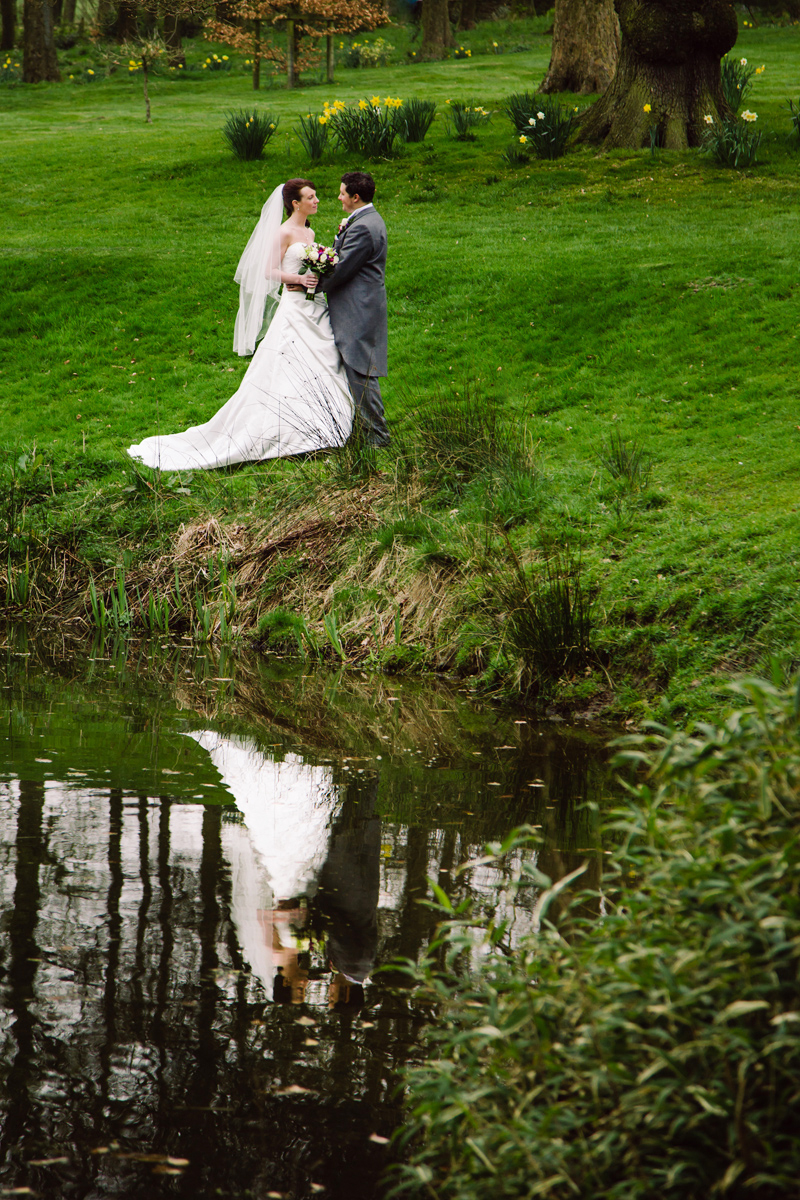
(580, 315)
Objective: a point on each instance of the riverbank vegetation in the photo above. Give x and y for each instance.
(590, 500)
(652, 1054)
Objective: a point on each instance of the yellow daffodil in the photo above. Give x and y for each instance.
(469, 54)
(362, 104)
(749, 116)
(648, 108)
(323, 120)
(374, 101)
(523, 139)
(272, 125)
(224, 58)
(90, 71)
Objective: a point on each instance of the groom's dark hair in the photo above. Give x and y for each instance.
(359, 183)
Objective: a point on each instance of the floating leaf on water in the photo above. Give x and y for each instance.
(378, 1139)
(166, 771)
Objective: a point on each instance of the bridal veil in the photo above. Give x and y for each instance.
(258, 276)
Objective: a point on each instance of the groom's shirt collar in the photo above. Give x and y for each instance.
(360, 208)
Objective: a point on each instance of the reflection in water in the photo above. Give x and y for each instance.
(190, 1002)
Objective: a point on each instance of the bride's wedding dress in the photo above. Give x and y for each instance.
(293, 398)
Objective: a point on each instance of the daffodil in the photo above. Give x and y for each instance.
(709, 120)
(648, 108)
(743, 62)
(749, 116)
(224, 58)
(323, 120)
(90, 71)
(531, 120)
(523, 139)
(375, 101)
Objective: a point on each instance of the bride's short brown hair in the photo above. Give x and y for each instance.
(292, 190)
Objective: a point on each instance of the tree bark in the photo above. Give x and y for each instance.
(467, 16)
(69, 12)
(8, 9)
(585, 47)
(173, 35)
(291, 54)
(669, 61)
(39, 60)
(437, 36)
(256, 54)
(125, 26)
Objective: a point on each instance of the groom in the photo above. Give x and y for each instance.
(356, 295)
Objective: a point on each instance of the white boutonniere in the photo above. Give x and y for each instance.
(342, 226)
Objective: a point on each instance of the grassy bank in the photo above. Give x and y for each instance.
(545, 321)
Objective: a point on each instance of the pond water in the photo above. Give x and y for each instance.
(205, 860)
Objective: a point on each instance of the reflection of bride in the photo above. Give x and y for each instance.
(294, 396)
(303, 837)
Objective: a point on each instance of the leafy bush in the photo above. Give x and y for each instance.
(414, 119)
(542, 121)
(368, 54)
(247, 132)
(733, 142)
(463, 116)
(313, 134)
(650, 1053)
(736, 80)
(369, 128)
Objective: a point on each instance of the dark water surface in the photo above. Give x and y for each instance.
(204, 862)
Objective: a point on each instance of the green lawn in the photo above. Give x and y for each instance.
(650, 296)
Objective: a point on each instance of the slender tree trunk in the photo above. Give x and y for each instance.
(437, 36)
(173, 38)
(69, 12)
(148, 118)
(291, 49)
(256, 54)
(39, 60)
(585, 47)
(670, 62)
(329, 55)
(8, 9)
(56, 7)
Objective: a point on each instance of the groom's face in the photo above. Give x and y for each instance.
(349, 203)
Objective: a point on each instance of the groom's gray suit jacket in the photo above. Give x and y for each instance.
(356, 292)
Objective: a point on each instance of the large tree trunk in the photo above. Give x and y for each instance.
(69, 12)
(437, 36)
(467, 16)
(670, 62)
(8, 8)
(585, 47)
(126, 25)
(39, 60)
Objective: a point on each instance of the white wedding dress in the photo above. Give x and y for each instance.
(293, 398)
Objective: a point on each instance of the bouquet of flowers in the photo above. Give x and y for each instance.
(319, 260)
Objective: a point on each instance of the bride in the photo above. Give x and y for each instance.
(294, 396)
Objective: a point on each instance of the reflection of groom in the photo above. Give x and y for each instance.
(356, 295)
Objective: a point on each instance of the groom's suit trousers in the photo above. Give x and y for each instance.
(370, 420)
